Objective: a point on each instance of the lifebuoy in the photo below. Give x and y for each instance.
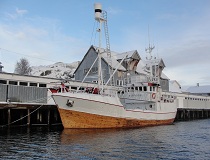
(153, 95)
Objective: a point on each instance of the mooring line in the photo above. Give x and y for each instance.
(29, 113)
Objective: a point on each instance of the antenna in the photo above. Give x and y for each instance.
(150, 48)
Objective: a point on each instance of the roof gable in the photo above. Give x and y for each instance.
(91, 47)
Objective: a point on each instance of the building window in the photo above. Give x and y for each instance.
(93, 70)
(119, 82)
(23, 83)
(85, 71)
(13, 82)
(3, 82)
(33, 84)
(145, 88)
(42, 85)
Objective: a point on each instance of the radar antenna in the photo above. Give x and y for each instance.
(150, 48)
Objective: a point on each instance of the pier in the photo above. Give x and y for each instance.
(14, 114)
(184, 114)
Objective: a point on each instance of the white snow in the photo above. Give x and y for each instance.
(57, 70)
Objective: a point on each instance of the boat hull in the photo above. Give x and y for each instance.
(95, 111)
(75, 119)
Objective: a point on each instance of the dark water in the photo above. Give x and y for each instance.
(183, 140)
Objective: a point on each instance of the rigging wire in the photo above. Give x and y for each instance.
(95, 33)
(25, 55)
(92, 32)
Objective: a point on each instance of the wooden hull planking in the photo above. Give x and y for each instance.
(74, 119)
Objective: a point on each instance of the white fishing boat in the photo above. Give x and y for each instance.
(140, 102)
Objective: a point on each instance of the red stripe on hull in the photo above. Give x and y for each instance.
(75, 119)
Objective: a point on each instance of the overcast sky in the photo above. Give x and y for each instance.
(49, 31)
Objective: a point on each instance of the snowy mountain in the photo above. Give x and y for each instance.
(57, 70)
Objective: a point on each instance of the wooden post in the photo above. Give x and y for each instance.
(38, 120)
(9, 117)
(48, 117)
(21, 116)
(184, 114)
(28, 118)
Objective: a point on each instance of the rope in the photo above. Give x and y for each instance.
(49, 97)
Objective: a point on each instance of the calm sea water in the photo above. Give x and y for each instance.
(182, 140)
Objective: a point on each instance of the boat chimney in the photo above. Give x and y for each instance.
(197, 84)
(1, 67)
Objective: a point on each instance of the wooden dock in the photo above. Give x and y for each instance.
(22, 114)
(186, 114)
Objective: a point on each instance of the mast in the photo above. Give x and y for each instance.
(150, 48)
(100, 19)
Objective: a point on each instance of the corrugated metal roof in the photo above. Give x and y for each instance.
(199, 89)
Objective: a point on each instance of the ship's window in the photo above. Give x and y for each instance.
(3, 82)
(95, 81)
(73, 87)
(140, 88)
(82, 88)
(23, 83)
(13, 82)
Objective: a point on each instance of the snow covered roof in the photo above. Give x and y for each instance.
(174, 86)
(140, 67)
(115, 63)
(163, 76)
(199, 89)
(134, 54)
